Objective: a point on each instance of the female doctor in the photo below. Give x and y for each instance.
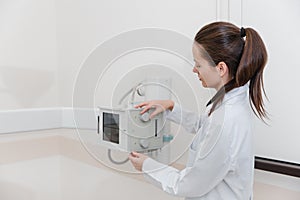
(221, 160)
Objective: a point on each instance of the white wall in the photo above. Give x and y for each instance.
(43, 44)
(280, 139)
(86, 24)
(28, 61)
(277, 23)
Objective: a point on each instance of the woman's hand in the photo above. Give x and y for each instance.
(137, 160)
(159, 105)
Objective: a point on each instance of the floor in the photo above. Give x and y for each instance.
(47, 166)
(62, 178)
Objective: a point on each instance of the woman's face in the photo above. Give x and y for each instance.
(207, 73)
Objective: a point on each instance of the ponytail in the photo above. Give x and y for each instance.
(251, 67)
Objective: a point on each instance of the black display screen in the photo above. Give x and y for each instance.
(111, 127)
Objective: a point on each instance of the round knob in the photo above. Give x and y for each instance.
(144, 144)
(145, 117)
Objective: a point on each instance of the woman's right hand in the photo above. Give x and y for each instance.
(159, 105)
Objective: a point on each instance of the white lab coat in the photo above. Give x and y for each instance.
(221, 159)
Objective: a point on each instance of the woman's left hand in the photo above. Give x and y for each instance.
(137, 160)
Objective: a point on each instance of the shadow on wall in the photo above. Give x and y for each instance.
(25, 86)
(13, 191)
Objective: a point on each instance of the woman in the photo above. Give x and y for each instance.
(221, 161)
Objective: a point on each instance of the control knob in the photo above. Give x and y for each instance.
(145, 117)
(144, 144)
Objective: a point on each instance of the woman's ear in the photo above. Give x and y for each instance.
(222, 69)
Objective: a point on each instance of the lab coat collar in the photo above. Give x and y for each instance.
(239, 91)
(236, 92)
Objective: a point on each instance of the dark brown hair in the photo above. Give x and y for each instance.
(245, 58)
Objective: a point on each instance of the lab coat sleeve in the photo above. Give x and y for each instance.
(193, 181)
(189, 120)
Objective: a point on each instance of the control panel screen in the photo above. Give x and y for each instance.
(111, 127)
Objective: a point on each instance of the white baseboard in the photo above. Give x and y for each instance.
(82, 118)
(46, 118)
